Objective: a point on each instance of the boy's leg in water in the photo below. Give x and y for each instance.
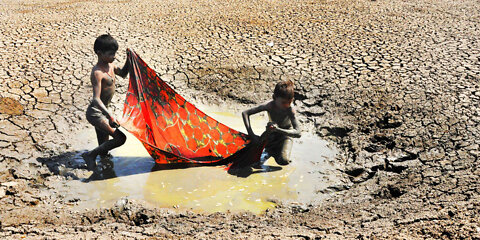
(118, 139)
(282, 153)
(101, 138)
(105, 157)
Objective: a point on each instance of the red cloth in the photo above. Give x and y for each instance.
(175, 131)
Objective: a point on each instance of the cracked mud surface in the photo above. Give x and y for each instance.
(394, 83)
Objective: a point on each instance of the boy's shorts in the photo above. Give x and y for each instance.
(95, 116)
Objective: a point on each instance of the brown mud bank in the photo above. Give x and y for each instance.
(393, 83)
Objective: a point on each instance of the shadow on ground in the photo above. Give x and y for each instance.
(72, 166)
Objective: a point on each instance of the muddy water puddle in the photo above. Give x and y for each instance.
(210, 189)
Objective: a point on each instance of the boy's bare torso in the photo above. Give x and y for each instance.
(283, 126)
(108, 83)
(282, 117)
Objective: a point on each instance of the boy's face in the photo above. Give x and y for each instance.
(283, 103)
(107, 56)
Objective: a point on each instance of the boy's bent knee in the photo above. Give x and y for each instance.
(120, 137)
(283, 157)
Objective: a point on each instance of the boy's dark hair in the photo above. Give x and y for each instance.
(105, 43)
(284, 90)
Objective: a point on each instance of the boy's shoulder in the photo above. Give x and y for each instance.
(292, 110)
(95, 68)
(96, 73)
(269, 105)
(98, 70)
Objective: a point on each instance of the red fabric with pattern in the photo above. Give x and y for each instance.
(175, 131)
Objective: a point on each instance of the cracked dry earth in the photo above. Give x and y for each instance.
(395, 84)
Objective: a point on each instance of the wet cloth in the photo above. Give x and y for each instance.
(175, 131)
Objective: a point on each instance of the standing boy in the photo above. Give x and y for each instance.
(103, 83)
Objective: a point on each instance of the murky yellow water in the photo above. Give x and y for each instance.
(211, 189)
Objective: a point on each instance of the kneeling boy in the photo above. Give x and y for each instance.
(283, 123)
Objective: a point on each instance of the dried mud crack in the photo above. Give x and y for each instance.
(395, 84)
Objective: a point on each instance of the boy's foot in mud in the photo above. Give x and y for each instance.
(106, 161)
(106, 164)
(106, 157)
(89, 160)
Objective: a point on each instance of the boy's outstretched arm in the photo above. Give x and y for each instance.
(122, 72)
(295, 132)
(246, 118)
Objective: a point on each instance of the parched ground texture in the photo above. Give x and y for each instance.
(394, 83)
